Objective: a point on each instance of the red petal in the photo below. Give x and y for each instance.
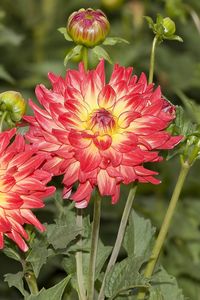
(71, 174)
(31, 219)
(103, 142)
(78, 140)
(89, 158)
(126, 118)
(106, 184)
(83, 193)
(16, 237)
(107, 97)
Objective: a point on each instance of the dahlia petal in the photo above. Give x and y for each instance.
(46, 124)
(78, 108)
(116, 195)
(87, 176)
(113, 156)
(124, 142)
(4, 223)
(79, 140)
(16, 237)
(103, 142)
(141, 171)
(20, 158)
(128, 174)
(45, 96)
(107, 97)
(18, 228)
(31, 219)
(1, 241)
(89, 158)
(31, 202)
(54, 165)
(171, 143)
(58, 83)
(67, 192)
(39, 110)
(5, 139)
(127, 117)
(83, 192)
(30, 183)
(90, 89)
(10, 200)
(100, 71)
(7, 182)
(147, 124)
(71, 174)
(106, 184)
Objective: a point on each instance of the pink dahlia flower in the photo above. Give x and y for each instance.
(100, 134)
(22, 187)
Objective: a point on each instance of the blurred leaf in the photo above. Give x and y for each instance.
(16, 280)
(101, 53)
(124, 277)
(191, 106)
(64, 32)
(72, 53)
(138, 235)
(8, 36)
(53, 293)
(111, 41)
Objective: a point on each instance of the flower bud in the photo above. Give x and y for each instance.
(88, 27)
(13, 103)
(169, 27)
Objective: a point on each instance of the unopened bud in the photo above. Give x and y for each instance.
(169, 27)
(88, 27)
(14, 104)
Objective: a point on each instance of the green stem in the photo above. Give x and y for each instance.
(79, 259)
(85, 57)
(94, 246)
(165, 225)
(152, 59)
(2, 120)
(31, 279)
(120, 236)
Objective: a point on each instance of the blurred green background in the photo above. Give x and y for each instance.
(31, 46)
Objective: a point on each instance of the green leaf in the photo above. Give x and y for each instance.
(124, 277)
(155, 294)
(101, 53)
(10, 252)
(167, 285)
(38, 255)
(63, 31)
(191, 106)
(64, 231)
(72, 53)
(174, 38)
(138, 236)
(111, 41)
(53, 293)
(16, 280)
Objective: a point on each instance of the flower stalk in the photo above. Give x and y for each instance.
(120, 236)
(79, 259)
(85, 57)
(31, 279)
(152, 59)
(165, 225)
(94, 245)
